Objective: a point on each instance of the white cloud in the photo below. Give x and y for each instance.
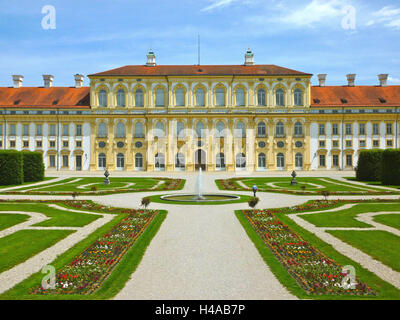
(393, 80)
(387, 12)
(217, 4)
(388, 16)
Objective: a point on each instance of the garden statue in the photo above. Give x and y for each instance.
(294, 181)
(106, 180)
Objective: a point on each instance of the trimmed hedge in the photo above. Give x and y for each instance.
(391, 167)
(369, 167)
(11, 168)
(33, 166)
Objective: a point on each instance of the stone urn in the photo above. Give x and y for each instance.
(106, 180)
(294, 181)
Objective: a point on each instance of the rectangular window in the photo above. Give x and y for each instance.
(362, 129)
(52, 144)
(389, 143)
(321, 129)
(79, 130)
(65, 130)
(375, 143)
(39, 130)
(335, 129)
(52, 161)
(322, 160)
(65, 161)
(13, 130)
(362, 144)
(38, 144)
(349, 160)
(389, 129)
(375, 127)
(349, 143)
(25, 129)
(1, 144)
(335, 160)
(52, 130)
(160, 102)
(12, 144)
(26, 144)
(335, 143)
(322, 143)
(1, 130)
(349, 130)
(65, 144)
(79, 144)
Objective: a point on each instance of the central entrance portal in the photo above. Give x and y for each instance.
(200, 160)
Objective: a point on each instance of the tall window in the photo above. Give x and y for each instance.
(12, 130)
(280, 99)
(102, 130)
(139, 130)
(240, 130)
(121, 98)
(200, 98)
(298, 129)
(103, 98)
(335, 129)
(220, 129)
(159, 161)
(1, 130)
(180, 97)
(262, 161)
(375, 129)
(39, 130)
(65, 132)
(280, 129)
(220, 97)
(120, 130)
(322, 160)
(160, 131)
(52, 130)
(321, 129)
(65, 161)
(280, 160)
(120, 161)
(240, 161)
(102, 161)
(261, 97)
(389, 129)
(261, 130)
(160, 98)
(240, 97)
(362, 129)
(79, 130)
(138, 161)
(299, 160)
(25, 129)
(298, 97)
(139, 101)
(180, 161)
(220, 161)
(349, 130)
(180, 129)
(200, 129)
(349, 160)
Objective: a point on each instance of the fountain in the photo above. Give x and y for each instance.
(199, 195)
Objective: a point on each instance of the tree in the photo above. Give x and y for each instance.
(145, 202)
(253, 201)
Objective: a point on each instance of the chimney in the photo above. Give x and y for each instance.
(151, 59)
(17, 79)
(79, 80)
(383, 78)
(48, 80)
(249, 58)
(351, 78)
(322, 79)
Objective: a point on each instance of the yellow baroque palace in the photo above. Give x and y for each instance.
(216, 117)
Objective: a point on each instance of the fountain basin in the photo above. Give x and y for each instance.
(196, 198)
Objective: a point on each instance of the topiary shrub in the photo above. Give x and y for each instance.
(11, 168)
(33, 166)
(391, 167)
(253, 201)
(369, 167)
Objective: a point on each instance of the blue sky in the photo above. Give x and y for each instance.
(93, 36)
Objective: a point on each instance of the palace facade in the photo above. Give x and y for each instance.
(180, 118)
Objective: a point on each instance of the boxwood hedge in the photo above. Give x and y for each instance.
(33, 166)
(11, 168)
(369, 167)
(391, 167)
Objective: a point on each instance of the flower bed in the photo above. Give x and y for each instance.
(87, 272)
(313, 271)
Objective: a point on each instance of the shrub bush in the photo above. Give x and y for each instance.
(369, 167)
(391, 167)
(11, 168)
(33, 166)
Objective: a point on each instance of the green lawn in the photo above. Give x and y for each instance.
(58, 218)
(345, 218)
(22, 245)
(9, 220)
(381, 245)
(372, 183)
(27, 183)
(391, 220)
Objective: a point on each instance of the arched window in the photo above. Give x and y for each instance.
(280, 98)
(139, 100)
(180, 161)
(180, 129)
(138, 161)
(102, 161)
(120, 130)
(280, 161)
(180, 97)
(160, 131)
(120, 161)
(298, 129)
(240, 161)
(299, 160)
(220, 97)
(240, 97)
(159, 161)
(200, 98)
(102, 130)
(121, 98)
(240, 130)
(160, 98)
(280, 129)
(139, 130)
(298, 97)
(262, 161)
(200, 129)
(261, 97)
(220, 129)
(261, 130)
(103, 98)
(220, 161)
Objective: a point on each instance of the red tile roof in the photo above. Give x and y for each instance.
(358, 96)
(202, 70)
(53, 98)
